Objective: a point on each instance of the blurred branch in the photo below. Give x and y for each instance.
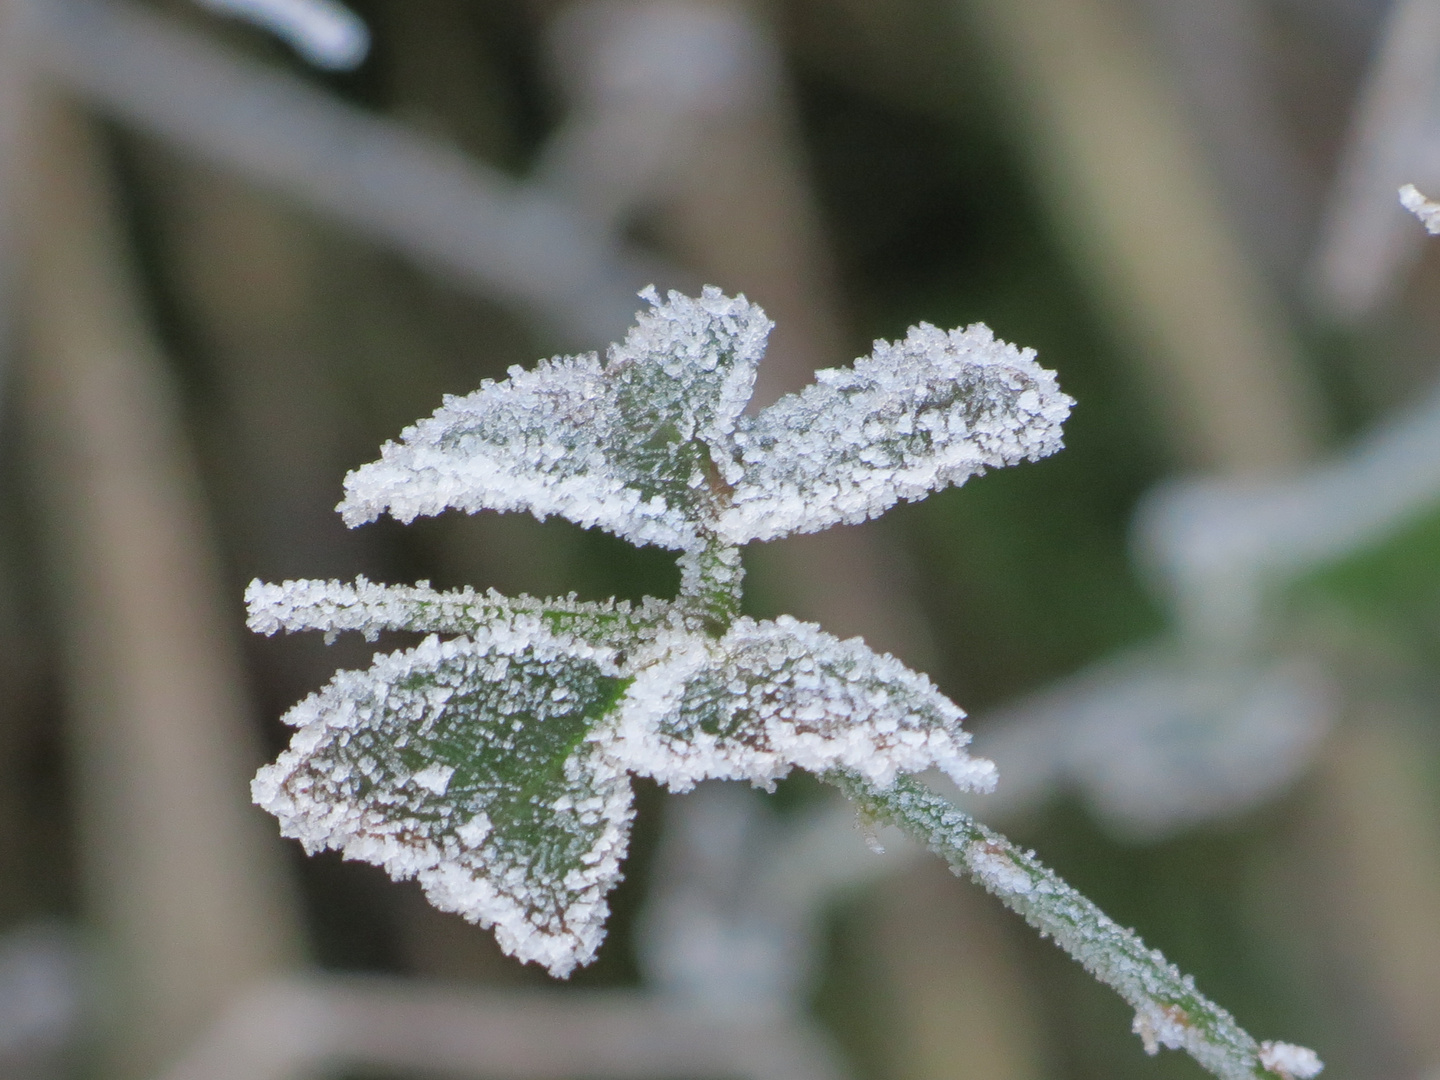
(1375, 867)
(379, 177)
(945, 963)
(296, 1028)
(16, 74)
(178, 870)
(325, 32)
(1219, 57)
(1130, 189)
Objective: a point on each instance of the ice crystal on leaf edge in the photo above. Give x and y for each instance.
(494, 765)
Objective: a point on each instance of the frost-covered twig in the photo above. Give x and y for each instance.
(1169, 1010)
(325, 32)
(495, 766)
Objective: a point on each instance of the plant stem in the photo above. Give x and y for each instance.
(1169, 1010)
(710, 584)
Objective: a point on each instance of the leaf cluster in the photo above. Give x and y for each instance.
(493, 761)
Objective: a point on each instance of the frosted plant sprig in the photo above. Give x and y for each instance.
(1169, 1010)
(492, 761)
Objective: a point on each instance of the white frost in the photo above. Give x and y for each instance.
(390, 765)
(370, 608)
(477, 843)
(1000, 873)
(435, 778)
(1427, 210)
(652, 446)
(1290, 1061)
(1160, 1025)
(913, 417)
(772, 696)
(618, 445)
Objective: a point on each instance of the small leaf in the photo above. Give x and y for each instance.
(627, 446)
(474, 766)
(772, 696)
(914, 417)
(368, 607)
(534, 442)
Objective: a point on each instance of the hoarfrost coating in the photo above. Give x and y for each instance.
(397, 765)
(652, 445)
(1427, 210)
(1293, 1062)
(494, 766)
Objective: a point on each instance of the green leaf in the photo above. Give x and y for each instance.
(680, 380)
(771, 696)
(474, 766)
(370, 608)
(641, 446)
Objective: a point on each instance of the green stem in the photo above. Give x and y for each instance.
(1169, 1010)
(710, 584)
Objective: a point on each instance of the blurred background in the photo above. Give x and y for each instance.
(243, 242)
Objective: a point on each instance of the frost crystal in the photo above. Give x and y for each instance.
(494, 767)
(1427, 210)
(913, 417)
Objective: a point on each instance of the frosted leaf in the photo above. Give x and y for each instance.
(915, 416)
(652, 445)
(369, 608)
(493, 767)
(533, 442)
(472, 765)
(681, 379)
(772, 696)
(624, 446)
(325, 32)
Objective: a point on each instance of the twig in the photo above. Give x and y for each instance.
(1169, 1010)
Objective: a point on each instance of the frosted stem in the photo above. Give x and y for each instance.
(710, 584)
(1169, 1010)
